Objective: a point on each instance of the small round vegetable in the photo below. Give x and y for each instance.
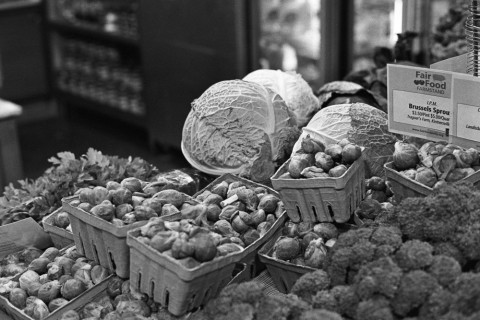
(405, 156)
(49, 291)
(350, 153)
(28, 278)
(56, 303)
(131, 183)
(334, 151)
(324, 161)
(18, 297)
(114, 287)
(62, 220)
(286, 248)
(337, 171)
(70, 315)
(72, 288)
(326, 230)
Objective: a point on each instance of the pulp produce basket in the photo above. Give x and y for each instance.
(181, 289)
(100, 240)
(404, 187)
(284, 274)
(94, 293)
(322, 199)
(61, 238)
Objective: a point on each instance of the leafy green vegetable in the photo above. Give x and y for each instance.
(39, 197)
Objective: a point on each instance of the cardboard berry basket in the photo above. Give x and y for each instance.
(181, 289)
(404, 187)
(326, 199)
(92, 294)
(100, 240)
(61, 238)
(283, 273)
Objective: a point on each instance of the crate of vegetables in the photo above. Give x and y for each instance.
(415, 172)
(52, 282)
(185, 260)
(57, 225)
(101, 216)
(296, 249)
(322, 183)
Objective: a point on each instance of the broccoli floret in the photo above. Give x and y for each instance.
(347, 300)
(381, 276)
(414, 289)
(414, 254)
(310, 283)
(437, 305)
(453, 315)
(448, 249)
(240, 311)
(319, 314)
(466, 293)
(450, 214)
(273, 307)
(249, 292)
(375, 308)
(325, 299)
(445, 270)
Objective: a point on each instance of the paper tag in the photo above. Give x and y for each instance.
(22, 234)
(419, 102)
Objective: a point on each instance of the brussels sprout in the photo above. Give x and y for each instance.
(122, 210)
(227, 248)
(337, 171)
(269, 203)
(286, 248)
(313, 172)
(204, 247)
(350, 153)
(86, 195)
(239, 225)
(163, 240)
(43, 278)
(153, 203)
(114, 287)
(315, 254)
(144, 213)
(39, 265)
(56, 303)
(85, 206)
(169, 209)
(409, 173)
(182, 248)
(49, 291)
(238, 241)
(98, 274)
(104, 210)
(426, 176)
(367, 209)
(220, 189)
(120, 195)
(131, 183)
(250, 236)
(133, 306)
(137, 201)
(376, 183)
(7, 287)
(107, 306)
(335, 151)
(458, 174)
(72, 288)
(112, 185)
(298, 162)
(61, 220)
(28, 278)
(70, 315)
(324, 161)
(129, 218)
(39, 310)
(34, 288)
(92, 309)
(83, 274)
(310, 145)
(18, 297)
(307, 238)
(54, 272)
(263, 227)
(171, 196)
(405, 156)
(225, 228)
(114, 315)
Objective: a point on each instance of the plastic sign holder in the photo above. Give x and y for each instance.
(440, 103)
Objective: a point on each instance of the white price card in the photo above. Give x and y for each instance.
(466, 102)
(420, 102)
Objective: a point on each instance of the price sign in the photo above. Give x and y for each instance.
(434, 104)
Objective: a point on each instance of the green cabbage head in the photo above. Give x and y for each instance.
(239, 127)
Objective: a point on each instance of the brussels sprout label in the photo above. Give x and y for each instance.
(434, 104)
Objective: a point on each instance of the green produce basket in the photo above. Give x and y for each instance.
(100, 240)
(284, 274)
(404, 187)
(322, 199)
(181, 289)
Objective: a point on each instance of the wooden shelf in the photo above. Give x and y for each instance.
(96, 106)
(92, 33)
